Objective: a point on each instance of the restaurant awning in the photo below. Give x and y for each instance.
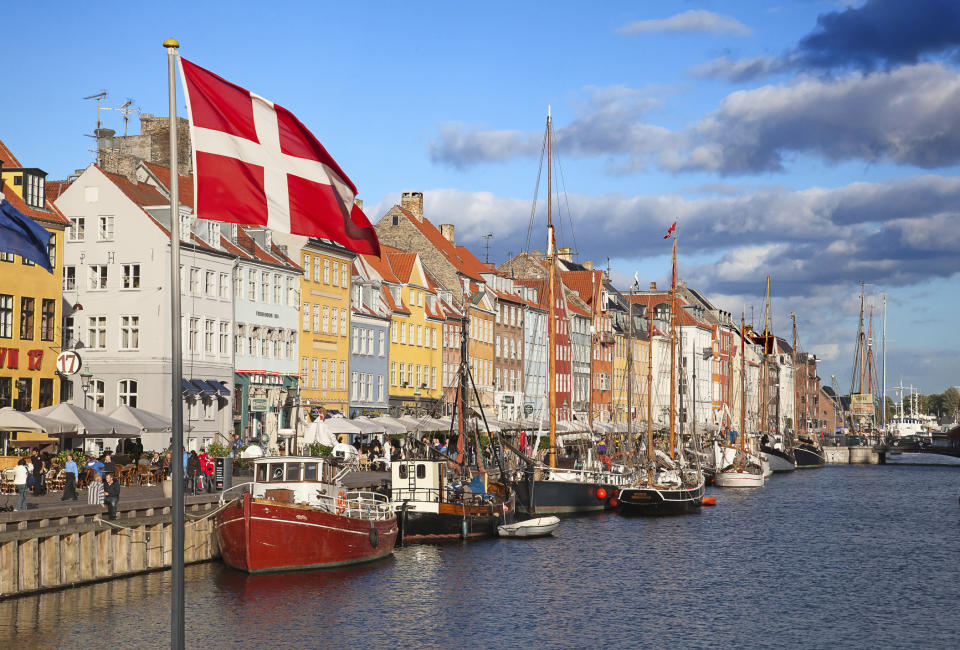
(188, 388)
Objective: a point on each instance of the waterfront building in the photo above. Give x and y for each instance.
(369, 344)
(580, 362)
(265, 338)
(453, 323)
(30, 298)
(325, 312)
(535, 361)
(116, 274)
(562, 352)
(508, 361)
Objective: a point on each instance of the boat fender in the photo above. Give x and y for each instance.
(374, 536)
(341, 503)
(614, 502)
(709, 501)
(601, 494)
(463, 528)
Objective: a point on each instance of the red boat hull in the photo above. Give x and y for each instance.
(262, 535)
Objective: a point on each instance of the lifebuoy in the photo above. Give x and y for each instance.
(341, 503)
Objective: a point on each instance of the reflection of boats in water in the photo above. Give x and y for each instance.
(261, 585)
(297, 515)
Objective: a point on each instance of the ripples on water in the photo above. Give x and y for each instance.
(843, 556)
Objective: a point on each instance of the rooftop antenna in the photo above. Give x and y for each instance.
(487, 245)
(96, 150)
(126, 110)
(99, 96)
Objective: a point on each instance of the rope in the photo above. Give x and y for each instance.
(194, 521)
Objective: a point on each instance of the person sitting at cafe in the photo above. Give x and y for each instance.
(108, 465)
(95, 465)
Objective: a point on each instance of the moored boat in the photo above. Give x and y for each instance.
(539, 527)
(297, 515)
(809, 454)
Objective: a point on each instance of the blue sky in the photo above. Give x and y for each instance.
(817, 142)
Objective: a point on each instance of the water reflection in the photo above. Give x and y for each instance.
(833, 557)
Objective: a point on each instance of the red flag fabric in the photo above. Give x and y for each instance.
(254, 163)
(670, 230)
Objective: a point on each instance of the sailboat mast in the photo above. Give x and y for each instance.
(593, 335)
(743, 379)
(796, 371)
(764, 396)
(630, 369)
(673, 349)
(650, 389)
(883, 372)
(551, 301)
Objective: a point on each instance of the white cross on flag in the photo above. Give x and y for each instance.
(254, 163)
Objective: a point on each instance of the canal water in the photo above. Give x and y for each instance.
(844, 556)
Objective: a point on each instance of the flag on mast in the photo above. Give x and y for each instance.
(670, 230)
(255, 163)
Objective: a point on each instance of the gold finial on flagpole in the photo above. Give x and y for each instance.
(171, 42)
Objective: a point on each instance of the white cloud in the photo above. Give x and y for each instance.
(694, 20)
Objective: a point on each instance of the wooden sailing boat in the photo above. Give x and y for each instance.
(436, 496)
(674, 483)
(807, 450)
(776, 447)
(745, 469)
(549, 489)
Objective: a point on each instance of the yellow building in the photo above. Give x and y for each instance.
(416, 328)
(324, 326)
(621, 378)
(30, 297)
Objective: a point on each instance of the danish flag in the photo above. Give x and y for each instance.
(254, 163)
(670, 230)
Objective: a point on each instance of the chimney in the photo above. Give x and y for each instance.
(104, 138)
(565, 254)
(653, 286)
(412, 202)
(446, 229)
(588, 265)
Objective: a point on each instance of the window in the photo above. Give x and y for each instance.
(316, 318)
(75, 231)
(326, 271)
(129, 332)
(277, 290)
(381, 336)
(379, 388)
(433, 377)
(316, 269)
(323, 374)
(356, 338)
(131, 276)
(209, 285)
(194, 335)
(403, 333)
(354, 387)
(105, 228)
(336, 273)
(313, 373)
(306, 267)
(333, 320)
(410, 333)
(290, 301)
(343, 275)
(194, 281)
(237, 284)
(368, 394)
(26, 318)
(393, 373)
(393, 332)
(208, 337)
(127, 392)
(304, 369)
(52, 252)
(420, 335)
(419, 375)
(251, 285)
(46, 393)
(306, 317)
(333, 374)
(264, 286)
(95, 394)
(369, 347)
(98, 277)
(343, 322)
(433, 336)
(224, 338)
(343, 375)
(224, 288)
(325, 327)
(7, 257)
(47, 313)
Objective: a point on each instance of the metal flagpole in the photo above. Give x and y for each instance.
(176, 359)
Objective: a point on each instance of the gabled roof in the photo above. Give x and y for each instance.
(442, 244)
(162, 174)
(140, 193)
(50, 215)
(7, 157)
(381, 266)
(587, 284)
(402, 263)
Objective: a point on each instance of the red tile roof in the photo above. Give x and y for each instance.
(381, 266)
(443, 245)
(587, 284)
(185, 182)
(51, 215)
(140, 193)
(7, 157)
(402, 264)
(651, 300)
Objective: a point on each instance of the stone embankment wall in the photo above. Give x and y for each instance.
(61, 547)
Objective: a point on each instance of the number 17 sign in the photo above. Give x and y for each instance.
(68, 362)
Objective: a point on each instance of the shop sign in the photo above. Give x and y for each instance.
(259, 404)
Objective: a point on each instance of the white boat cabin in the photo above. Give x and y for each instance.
(427, 481)
(305, 479)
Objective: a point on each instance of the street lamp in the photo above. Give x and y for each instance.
(85, 378)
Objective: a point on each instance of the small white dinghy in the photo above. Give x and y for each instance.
(539, 527)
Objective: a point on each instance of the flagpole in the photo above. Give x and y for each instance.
(176, 359)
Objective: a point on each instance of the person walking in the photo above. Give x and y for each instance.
(95, 491)
(235, 445)
(20, 483)
(193, 470)
(71, 474)
(111, 495)
(206, 469)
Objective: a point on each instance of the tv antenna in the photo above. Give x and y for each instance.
(99, 96)
(126, 110)
(487, 245)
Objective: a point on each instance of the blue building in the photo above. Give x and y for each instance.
(369, 348)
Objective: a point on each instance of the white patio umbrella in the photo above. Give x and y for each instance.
(89, 424)
(317, 432)
(147, 421)
(368, 426)
(340, 425)
(14, 420)
(392, 425)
